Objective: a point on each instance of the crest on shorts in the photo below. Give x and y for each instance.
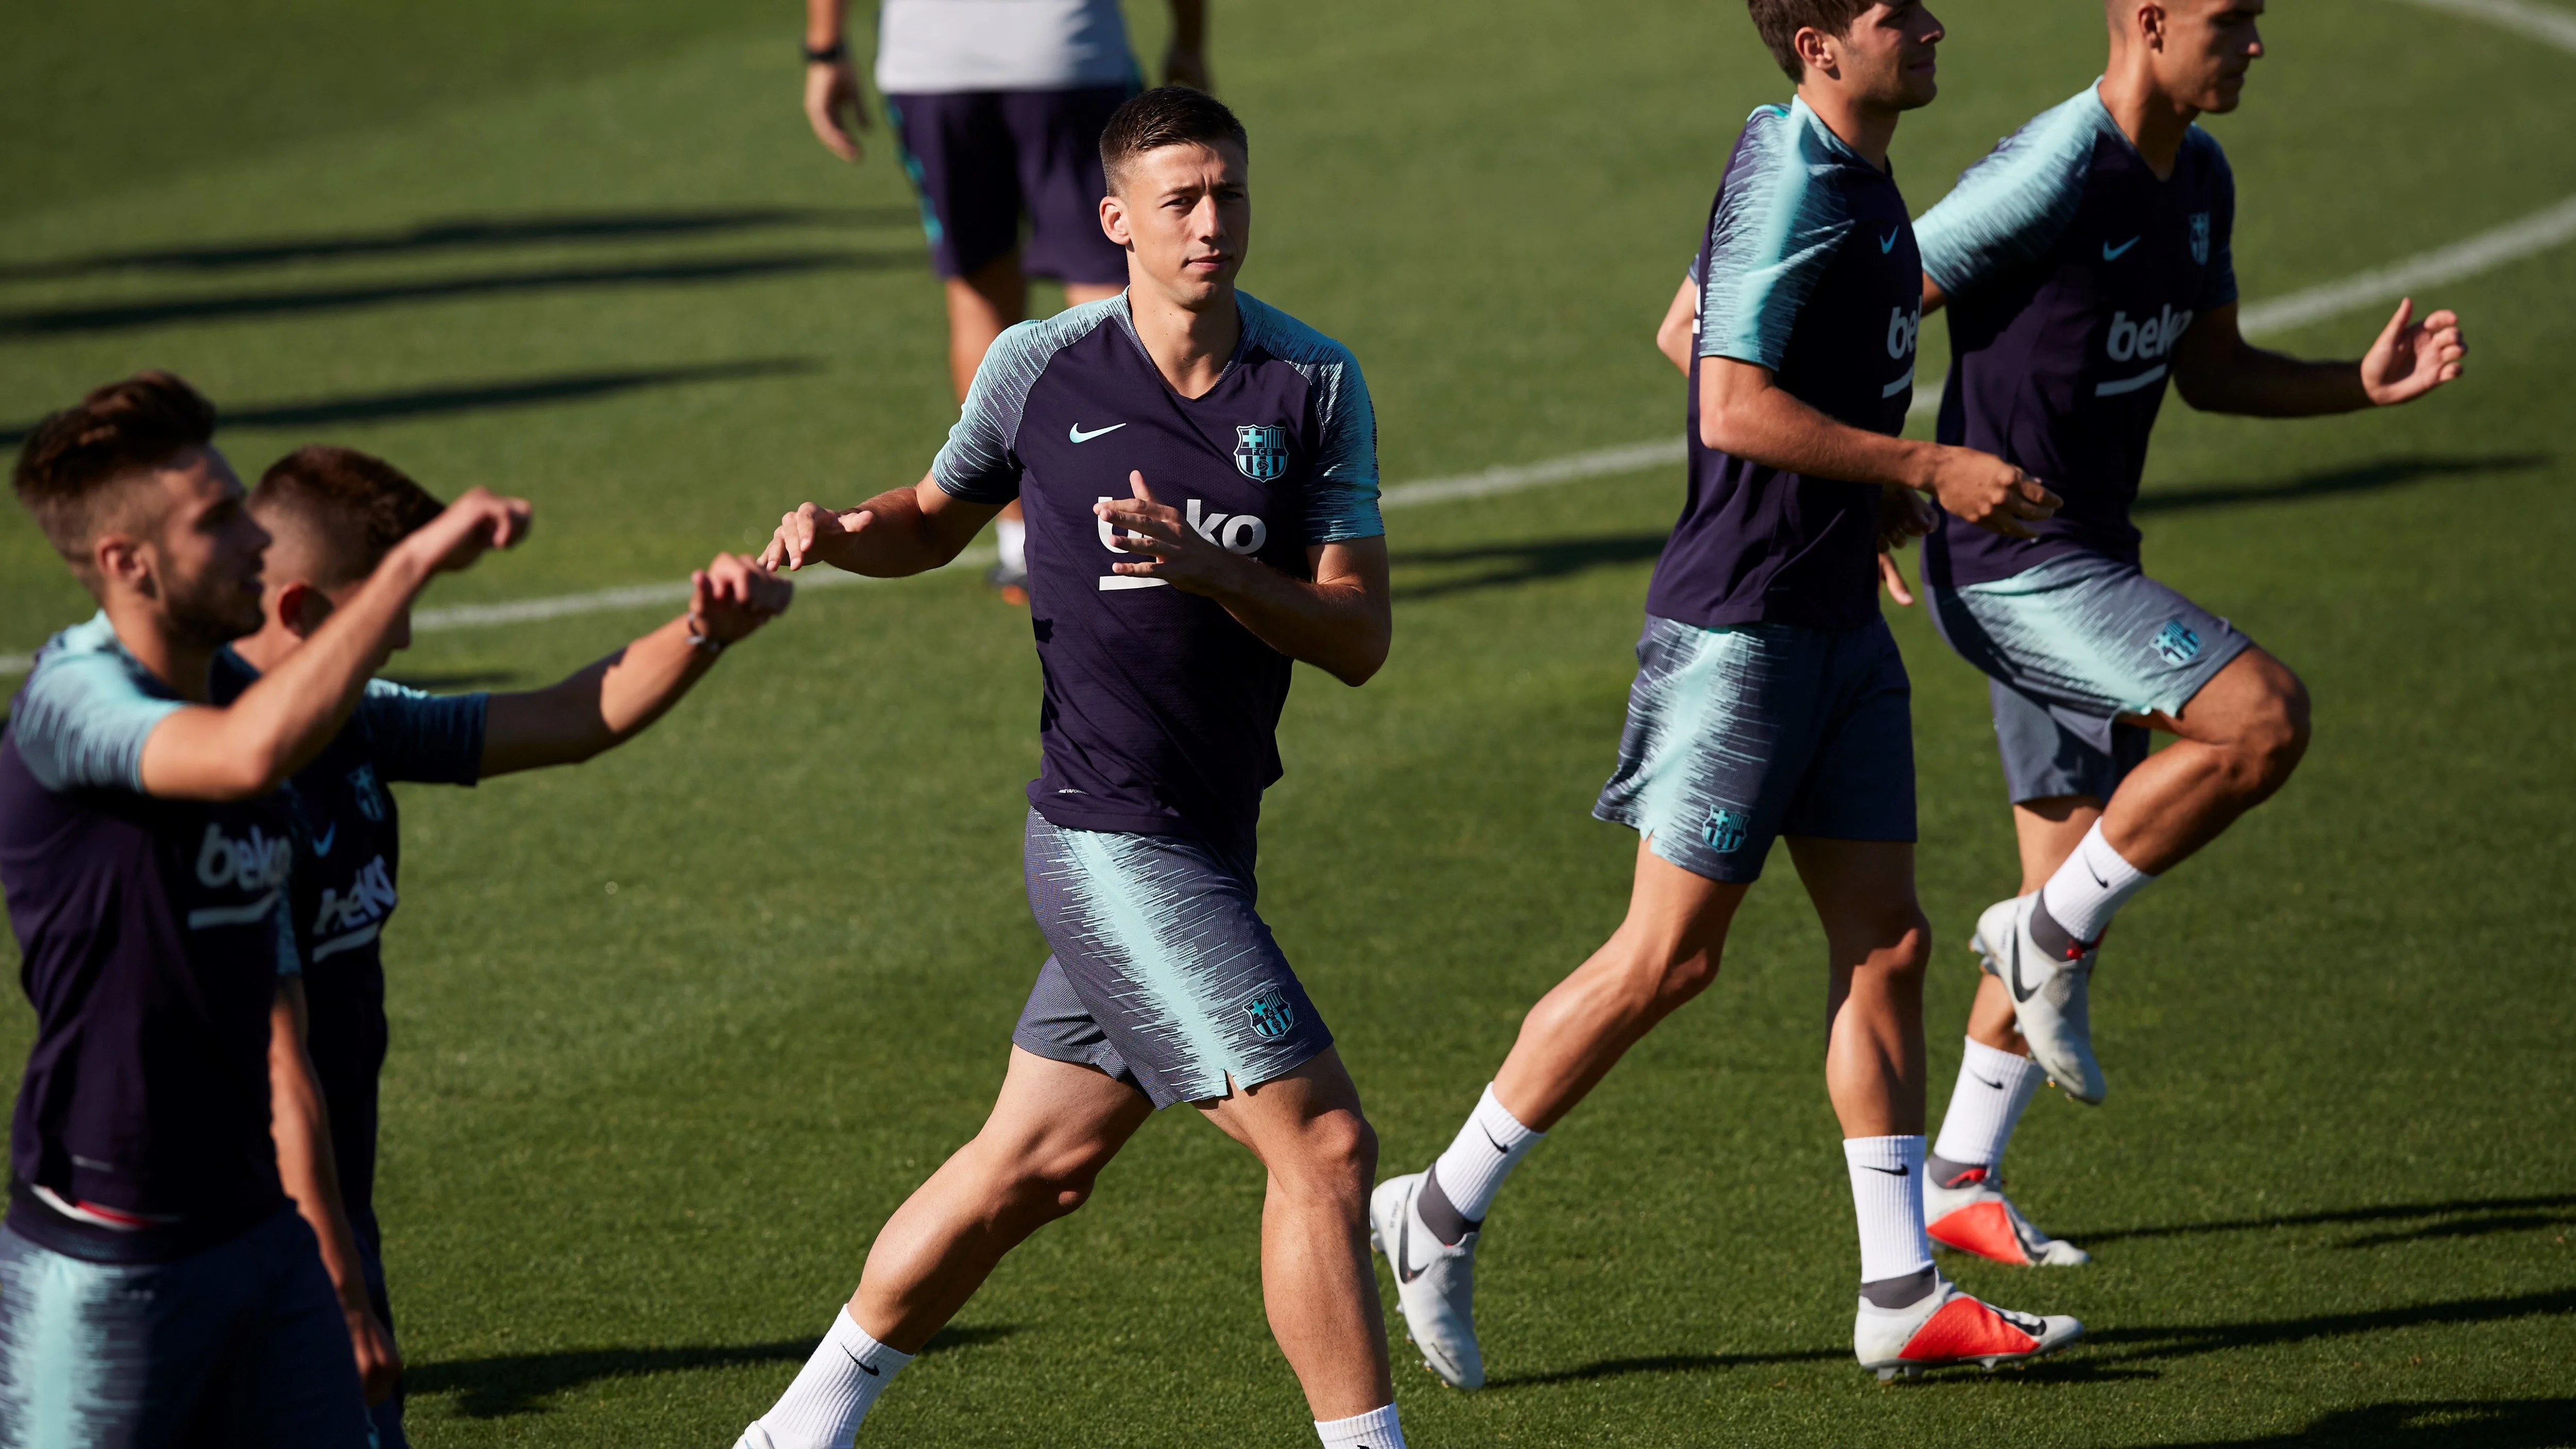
(2200, 238)
(1261, 451)
(1725, 831)
(1270, 1014)
(370, 796)
(2177, 643)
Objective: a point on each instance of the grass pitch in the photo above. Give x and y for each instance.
(675, 1031)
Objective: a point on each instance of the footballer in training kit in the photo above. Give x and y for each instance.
(332, 515)
(2085, 264)
(156, 1285)
(1200, 478)
(1770, 700)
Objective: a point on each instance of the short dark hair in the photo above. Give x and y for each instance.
(1165, 116)
(1779, 22)
(75, 461)
(357, 505)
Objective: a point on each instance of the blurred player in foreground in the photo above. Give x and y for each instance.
(333, 515)
(156, 1286)
(1201, 478)
(997, 105)
(1770, 700)
(2085, 262)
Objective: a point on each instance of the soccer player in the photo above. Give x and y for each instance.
(998, 109)
(333, 515)
(1770, 700)
(2085, 262)
(156, 1286)
(1200, 472)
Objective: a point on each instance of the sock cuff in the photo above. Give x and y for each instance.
(862, 1347)
(1375, 1429)
(1887, 1154)
(1505, 1129)
(1996, 1064)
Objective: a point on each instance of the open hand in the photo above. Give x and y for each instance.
(1996, 496)
(733, 596)
(804, 535)
(2412, 358)
(477, 521)
(834, 106)
(1177, 554)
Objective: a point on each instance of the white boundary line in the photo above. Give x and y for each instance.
(2539, 232)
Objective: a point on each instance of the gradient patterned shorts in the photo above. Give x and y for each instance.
(1163, 975)
(1739, 736)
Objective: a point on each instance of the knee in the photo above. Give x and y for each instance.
(1049, 1186)
(1668, 974)
(2273, 740)
(1896, 947)
(1335, 1158)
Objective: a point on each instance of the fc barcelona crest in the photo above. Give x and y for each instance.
(1261, 451)
(1270, 1014)
(2200, 238)
(1725, 831)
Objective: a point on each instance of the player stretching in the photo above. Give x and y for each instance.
(1200, 473)
(1770, 700)
(156, 1287)
(2084, 262)
(333, 515)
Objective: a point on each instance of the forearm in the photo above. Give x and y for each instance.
(1766, 425)
(2248, 381)
(1339, 622)
(597, 709)
(300, 1123)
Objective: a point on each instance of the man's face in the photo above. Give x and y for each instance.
(2208, 47)
(1185, 215)
(205, 558)
(1887, 58)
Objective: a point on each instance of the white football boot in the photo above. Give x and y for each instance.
(1974, 1216)
(1950, 1327)
(1435, 1283)
(2051, 1004)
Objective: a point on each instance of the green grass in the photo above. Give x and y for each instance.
(636, 1142)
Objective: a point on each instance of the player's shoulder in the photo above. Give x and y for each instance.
(86, 665)
(1028, 346)
(1789, 165)
(2054, 148)
(82, 716)
(1279, 335)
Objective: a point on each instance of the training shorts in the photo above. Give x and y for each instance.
(980, 160)
(1163, 976)
(1741, 735)
(2067, 648)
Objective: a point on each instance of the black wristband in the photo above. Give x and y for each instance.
(837, 50)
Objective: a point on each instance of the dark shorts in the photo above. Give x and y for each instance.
(1739, 736)
(242, 1343)
(1163, 976)
(2067, 648)
(980, 160)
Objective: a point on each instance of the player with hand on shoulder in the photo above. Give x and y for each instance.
(1770, 700)
(156, 1285)
(333, 515)
(2086, 264)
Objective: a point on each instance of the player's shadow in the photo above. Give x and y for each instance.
(2150, 1344)
(456, 234)
(1503, 565)
(506, 1384)
(2424, 1424)
(85, 319)
(2459, 1218)
(1670, 1363)
(2334, 482)
(475, 397)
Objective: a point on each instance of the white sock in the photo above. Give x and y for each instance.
(2093, 883)
(1887, 1194)
(1013, 537)
(1487, 1148)
(1375, 1429)
(822, 1409)
(1993, 1088)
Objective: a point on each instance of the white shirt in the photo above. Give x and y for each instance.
(1000, 45)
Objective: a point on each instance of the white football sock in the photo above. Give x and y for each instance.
(1487, 1148)
(822, 1409)
(1012, 535)
(1993, 1088)
(2093, 883)
(1375, 1429)
(1887, 1195)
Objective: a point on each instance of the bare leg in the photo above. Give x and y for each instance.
(2048, 831)
(2241, 736)
(1054, 1126)
(1662, 955)
(1877, 944)
(1316, 1280)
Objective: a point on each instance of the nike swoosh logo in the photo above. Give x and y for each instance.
(1489, 1138)
(864, 1366)
(2019, 991)
(1892, 1171)
(1405, 1272)
(2097, 876)
(1078, 435)
(322, 842)
(2112, 253)
(1998, 1086)
(1887, 243)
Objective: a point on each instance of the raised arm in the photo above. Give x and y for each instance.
(253, 745)
(2218, 371)
(899, 532)
(1185, 60)
(621, 696)
(301, 1123)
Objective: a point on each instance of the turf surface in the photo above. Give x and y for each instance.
(675, 1031)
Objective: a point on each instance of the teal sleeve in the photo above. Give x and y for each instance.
(1776, 229)
(980, 462)
(82, 718)
(2011, 208)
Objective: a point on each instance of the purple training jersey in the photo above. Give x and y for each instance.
(1808, 268)
(2071, 273)
(1161, 712)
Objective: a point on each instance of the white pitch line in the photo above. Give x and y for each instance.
(2544, 23)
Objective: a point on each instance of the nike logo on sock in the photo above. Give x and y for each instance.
(1489, 1137)
(865, 1367)
(1078, 435)
(1998, 1086)
(2097, 876)
(1892, 1171)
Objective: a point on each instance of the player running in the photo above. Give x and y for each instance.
(1200, 472)
(1770, 700)
(156, 1286)
(2085, 262)
(998, 106)
(333, 515)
